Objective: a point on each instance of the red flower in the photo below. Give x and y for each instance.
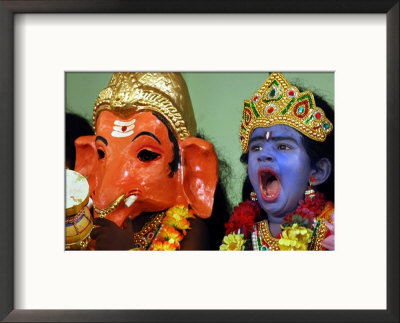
(243, 217)
(312, 206)
(308, 208)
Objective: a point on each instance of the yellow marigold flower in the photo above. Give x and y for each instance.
(233, 241)
(180, 210)
(295, 238)
(177, 217)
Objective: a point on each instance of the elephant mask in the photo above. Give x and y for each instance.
(137, 163)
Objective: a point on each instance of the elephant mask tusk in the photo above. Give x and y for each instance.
(130, 200)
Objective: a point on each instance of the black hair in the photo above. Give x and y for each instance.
(221, 207)
(75, 126)
(174, 164)
(315, 150)
(220, 212)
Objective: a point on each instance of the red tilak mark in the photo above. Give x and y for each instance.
(312, 179)
(124, 128)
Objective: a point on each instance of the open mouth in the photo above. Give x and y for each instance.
(270, 184)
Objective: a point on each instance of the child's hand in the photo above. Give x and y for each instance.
(109, 236)
(329, 242)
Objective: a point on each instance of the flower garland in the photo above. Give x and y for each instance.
(172, 229)
(307, 210)
(298, 227)
(243, 218)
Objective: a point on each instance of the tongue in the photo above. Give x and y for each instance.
(272, 187)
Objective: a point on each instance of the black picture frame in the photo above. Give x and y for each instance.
(7, 11)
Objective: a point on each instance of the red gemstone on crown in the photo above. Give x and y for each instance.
(270, 110)
(124, 128)
(318, 115)
(256, 97)
(291, 93)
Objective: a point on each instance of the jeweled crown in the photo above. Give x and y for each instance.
(163, 93)
(278, 102)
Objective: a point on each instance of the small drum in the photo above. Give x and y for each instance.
(78, 221)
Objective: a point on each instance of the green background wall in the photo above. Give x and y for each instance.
(217, 100)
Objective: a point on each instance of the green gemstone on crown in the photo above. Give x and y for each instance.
(288, 107)
(309, 119)
(253, 107)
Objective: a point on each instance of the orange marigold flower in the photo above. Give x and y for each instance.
(159, 245)
(177, 222)
(169, 234)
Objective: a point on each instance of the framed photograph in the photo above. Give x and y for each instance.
(46, 44)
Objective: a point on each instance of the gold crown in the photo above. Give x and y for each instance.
(278, 102)
(163, 93)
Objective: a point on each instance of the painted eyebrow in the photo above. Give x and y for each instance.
(102, 139)
(274, 139)
(257, 138)
(284, 139)
(146, 133)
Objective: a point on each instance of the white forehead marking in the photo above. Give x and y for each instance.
(124, 123)
(267, 135)
(123, 128)
(121, 134)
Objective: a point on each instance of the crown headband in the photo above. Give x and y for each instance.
(163, 93)
(278, 102)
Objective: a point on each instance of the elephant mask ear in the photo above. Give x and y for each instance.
(86, 158)
(200, 175)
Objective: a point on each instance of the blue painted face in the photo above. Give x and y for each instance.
(279, 169)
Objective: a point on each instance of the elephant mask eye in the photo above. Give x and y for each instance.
(101, 153)
(147, 155)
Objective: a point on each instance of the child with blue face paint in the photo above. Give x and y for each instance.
(287, 141)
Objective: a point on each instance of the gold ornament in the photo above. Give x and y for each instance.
(102, 213)
(310, 191)
(142, 239)
(321, 231)
(163, 93)
(78, 220)
(77, 230)
(273, 243)
(278, 102)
